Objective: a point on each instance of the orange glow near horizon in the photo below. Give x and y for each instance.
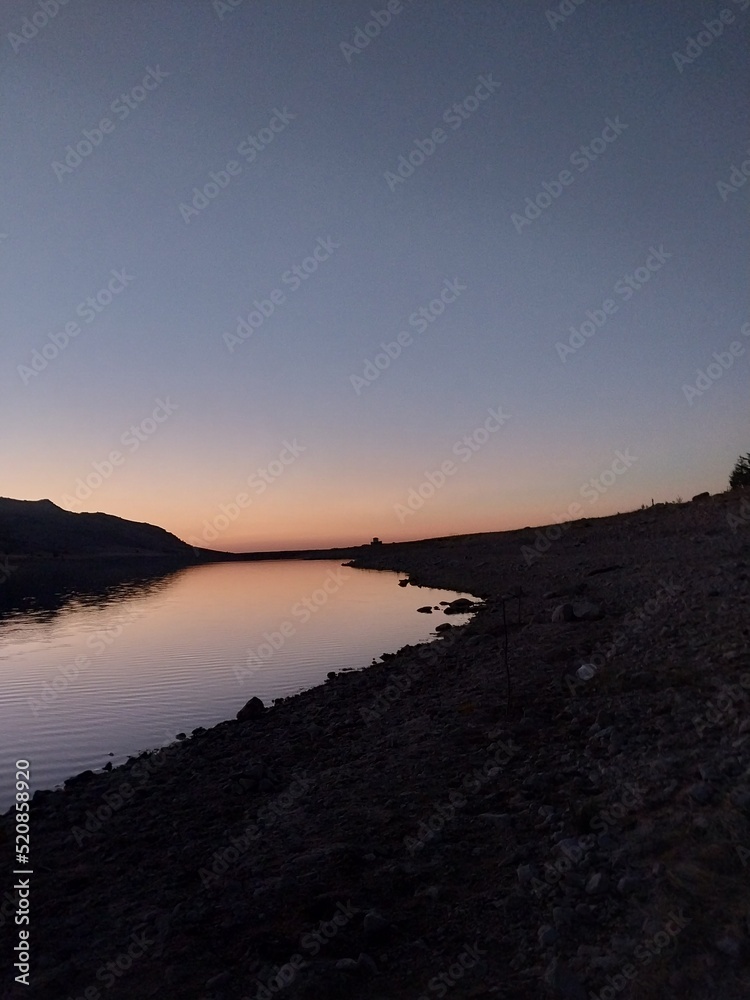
(281, 530)
(323, 504)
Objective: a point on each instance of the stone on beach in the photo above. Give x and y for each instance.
(251, 710)
(459, 607)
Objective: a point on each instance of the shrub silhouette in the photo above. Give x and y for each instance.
(741, 472)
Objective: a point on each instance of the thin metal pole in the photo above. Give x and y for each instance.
(505, 653)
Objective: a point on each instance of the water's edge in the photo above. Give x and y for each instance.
(435, 642)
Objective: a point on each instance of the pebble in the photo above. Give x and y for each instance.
(497, 819)
(563, 613)
(597, 883)
(729, 945)
(525, 874)
(375, 923)
(563, 916)
(629, 884)
(701, 792)
(547, 935)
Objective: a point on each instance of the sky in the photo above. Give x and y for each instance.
(279, 275)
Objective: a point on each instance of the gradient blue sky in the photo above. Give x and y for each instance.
(323, 177)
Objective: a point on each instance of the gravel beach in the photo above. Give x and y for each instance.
(405, 830)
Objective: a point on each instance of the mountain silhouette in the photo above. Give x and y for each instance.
(41, 528)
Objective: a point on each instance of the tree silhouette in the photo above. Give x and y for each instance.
(741, 472)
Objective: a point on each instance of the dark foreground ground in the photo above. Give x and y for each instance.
(403, 832)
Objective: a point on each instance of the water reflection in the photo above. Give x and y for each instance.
(47, 588)
(99, 663)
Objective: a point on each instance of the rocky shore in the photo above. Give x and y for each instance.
(405, 830)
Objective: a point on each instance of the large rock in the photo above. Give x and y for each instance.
(459, 607)
(252, 710)
(563, 613)
(587, 611)
(578, 611)
(604, 569)
(79, 779)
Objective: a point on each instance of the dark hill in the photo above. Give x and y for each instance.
(41, 528)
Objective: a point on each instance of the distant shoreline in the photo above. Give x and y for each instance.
(183, 559)
(182, 553)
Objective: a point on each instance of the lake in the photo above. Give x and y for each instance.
(93, 672)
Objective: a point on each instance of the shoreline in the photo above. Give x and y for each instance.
(184, 738)
(361, 836)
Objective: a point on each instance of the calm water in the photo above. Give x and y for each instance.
(117, 669)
